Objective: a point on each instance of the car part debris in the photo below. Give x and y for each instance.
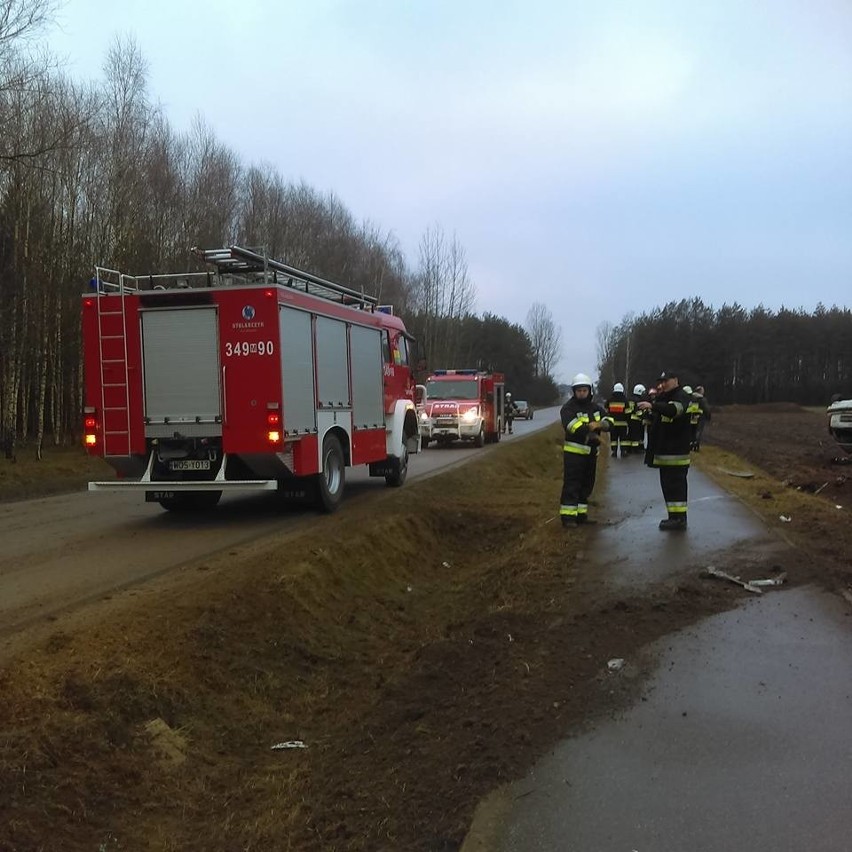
(820, 488)
(615, 664)
(785, 519)
(722, 575)
(742, 474)
(771, 581)
(287, 744)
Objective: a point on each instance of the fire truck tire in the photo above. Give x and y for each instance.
(479, 440)
(332, 479)
(396, 479)
(191, 501)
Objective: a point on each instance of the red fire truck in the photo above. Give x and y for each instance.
(251, 375)
(463, 405)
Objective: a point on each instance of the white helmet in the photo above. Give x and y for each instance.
(687, 389)
(580, 380)
(639, 390)
(508, 396)
(618, 388)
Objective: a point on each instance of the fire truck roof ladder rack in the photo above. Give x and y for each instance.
(109, 280)
(242, 261)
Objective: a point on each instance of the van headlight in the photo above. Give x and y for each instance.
(471, 415)
(424, 417)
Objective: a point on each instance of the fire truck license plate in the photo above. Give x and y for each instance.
(190, 464)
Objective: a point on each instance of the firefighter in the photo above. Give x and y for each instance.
(699, 416)
(669, 438)
(511, 411)
(618, 414)
(583, 420)
(635, 422)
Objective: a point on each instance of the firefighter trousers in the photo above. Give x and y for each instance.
(673, 483)
(636, 435)
(578, 480)
(617, 434)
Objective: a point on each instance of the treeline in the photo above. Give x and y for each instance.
(739, 355)
(96, 175)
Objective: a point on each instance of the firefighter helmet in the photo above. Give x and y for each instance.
(618, 388)
(639, 390)
(508, 396)
(687, 389)
(581, 380)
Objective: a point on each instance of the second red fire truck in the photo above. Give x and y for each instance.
(251, 375)
(463, 405)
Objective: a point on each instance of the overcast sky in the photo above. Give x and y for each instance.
(600, 157)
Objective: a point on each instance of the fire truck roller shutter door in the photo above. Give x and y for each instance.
(332, 355)
(365, 345)
(181, 367)
(297, 371)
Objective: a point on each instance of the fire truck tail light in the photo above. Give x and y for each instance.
(273, 418)
(273, 437)
(90, 426)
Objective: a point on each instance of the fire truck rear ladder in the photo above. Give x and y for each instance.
(112, 326)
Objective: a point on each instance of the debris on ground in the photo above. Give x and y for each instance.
(287, 744)
(616, 664)
(722, 575)
(742, 474)
(785, 519)
(771, 581)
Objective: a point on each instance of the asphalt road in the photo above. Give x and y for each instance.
(60, 552)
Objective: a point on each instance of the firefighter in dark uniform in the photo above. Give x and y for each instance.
(636, 423)
(669, 438)
(511, 411)
(700, 417)
(618, 413)
(583, 420)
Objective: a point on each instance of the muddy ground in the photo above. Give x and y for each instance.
(425, 646)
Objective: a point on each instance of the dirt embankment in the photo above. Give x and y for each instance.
(425, 646)
(800, 475)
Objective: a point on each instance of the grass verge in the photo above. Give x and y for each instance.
(426, 645)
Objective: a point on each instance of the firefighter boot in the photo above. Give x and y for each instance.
(567, 522)
(585, 521)
(673, 522)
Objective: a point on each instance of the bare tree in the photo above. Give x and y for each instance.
(443, 294)
(546, 338)
(20, 19)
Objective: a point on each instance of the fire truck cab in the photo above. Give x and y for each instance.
(463, 405)
(249, 376)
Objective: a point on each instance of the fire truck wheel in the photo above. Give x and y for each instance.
(479, 441)
(331, 480)
(396, 479)
(191, 501)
